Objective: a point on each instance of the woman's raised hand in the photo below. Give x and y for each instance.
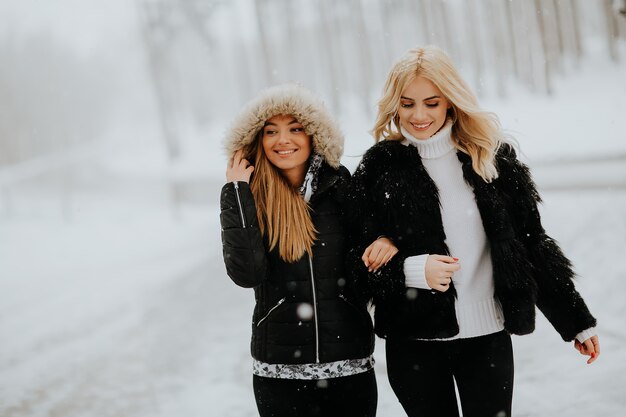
(238, 169)
(378, 253)
(439, 271)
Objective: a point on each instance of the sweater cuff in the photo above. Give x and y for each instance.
(415, 272)
(586, 334)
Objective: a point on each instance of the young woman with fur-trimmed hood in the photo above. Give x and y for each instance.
(283, 235)
(474, 260)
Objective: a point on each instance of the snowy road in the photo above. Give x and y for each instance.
(599, 172)
(149, 325)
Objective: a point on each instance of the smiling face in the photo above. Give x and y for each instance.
(287, 146)
(423, 108)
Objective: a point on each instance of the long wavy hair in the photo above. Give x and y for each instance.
(475, 132)
(284, 217)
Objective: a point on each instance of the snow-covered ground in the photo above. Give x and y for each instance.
(123, 308)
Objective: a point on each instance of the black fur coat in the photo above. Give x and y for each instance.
(392, 194)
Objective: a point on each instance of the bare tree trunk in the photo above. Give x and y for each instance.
(388, 30)
(499, 52)
(512, 41)
(155, 29)
(580, 51)
(198, 14)
(293, 64)
(475, 43)
(425, 17)
(266, 55)
(555, 39)
(445, 27)
(612, 30)
(559, 27)
(547, 66)
(157, 33)
(569, 12)
(329, 58)
(365, 58)
(243, 67)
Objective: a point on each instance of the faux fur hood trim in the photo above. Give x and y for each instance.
(288, 99)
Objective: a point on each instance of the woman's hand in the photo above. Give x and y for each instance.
(378, 253)
(238, 169)
(590, 347)
(439, 271)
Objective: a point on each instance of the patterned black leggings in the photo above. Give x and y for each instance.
(355, 395)
(422, 375)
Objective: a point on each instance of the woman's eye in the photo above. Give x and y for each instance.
(432, 104)
(297, 129)
(270, 132)
(406, 105)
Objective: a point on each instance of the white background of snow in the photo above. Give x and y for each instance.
(122, 310)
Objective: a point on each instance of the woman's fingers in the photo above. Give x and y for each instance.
(445, 282)
(375, 257)
(386, 253)
(237, 157)
(390, 254)
(239, 169)
(445, 258)
(596, 344)
(579, 347)
(439, 271)
(378, 254)
(590, 347)
(366, 255)
(444, 286)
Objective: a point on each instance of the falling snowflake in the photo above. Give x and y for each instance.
(305, 311)
(322, 383)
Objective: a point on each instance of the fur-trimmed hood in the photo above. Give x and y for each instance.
(288, 99)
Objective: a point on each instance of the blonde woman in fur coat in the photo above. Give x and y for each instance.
(474, 260)
(283, 235)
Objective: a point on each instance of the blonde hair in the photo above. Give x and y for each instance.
(475, 132)
(284, 217)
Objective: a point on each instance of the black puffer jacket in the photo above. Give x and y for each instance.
(305, 311)
(393, 195)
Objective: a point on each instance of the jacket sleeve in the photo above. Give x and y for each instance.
(557, 296)
(364, 227)
(242, 244)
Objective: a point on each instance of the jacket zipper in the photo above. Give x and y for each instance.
(343, 297)
(282, 300)
(243, 220)
(350, 303)
(317, 333)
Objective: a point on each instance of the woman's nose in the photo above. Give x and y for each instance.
(418, 113)
(283, 136)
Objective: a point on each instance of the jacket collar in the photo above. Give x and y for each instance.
(327, 178)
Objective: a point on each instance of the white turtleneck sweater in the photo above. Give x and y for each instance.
(478, 312)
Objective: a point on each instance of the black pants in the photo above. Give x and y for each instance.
(354, 395)
(422, 375)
